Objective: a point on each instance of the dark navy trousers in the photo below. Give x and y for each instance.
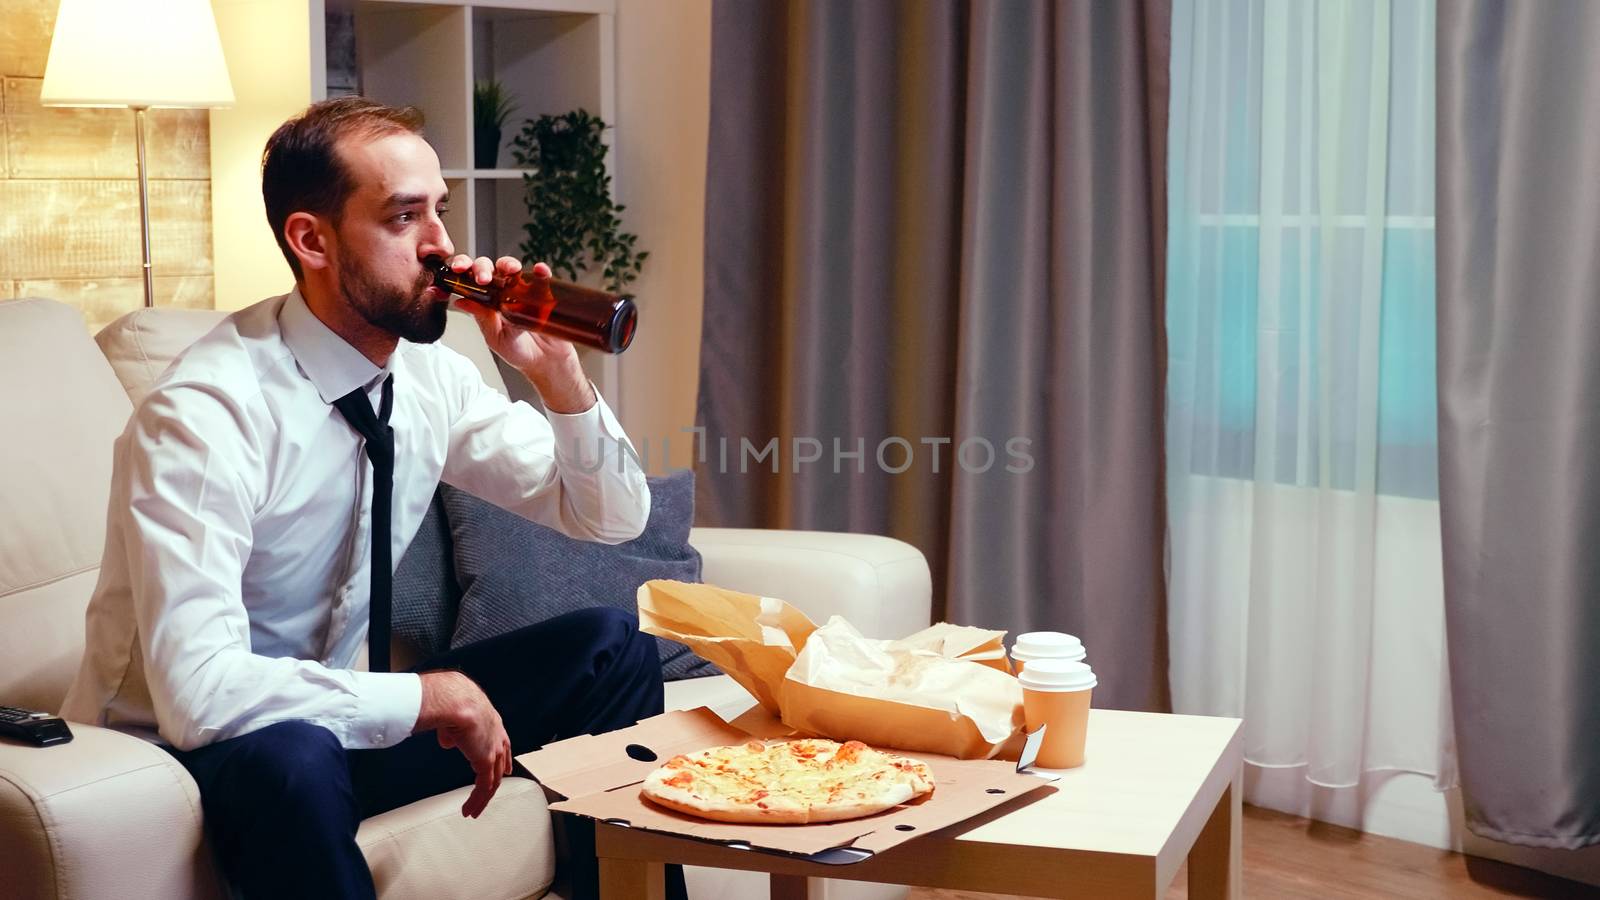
(282, 803)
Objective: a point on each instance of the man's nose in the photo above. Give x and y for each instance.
(436, 242)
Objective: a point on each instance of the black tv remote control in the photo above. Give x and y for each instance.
(40, 729)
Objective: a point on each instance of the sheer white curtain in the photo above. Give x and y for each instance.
(1305, 572)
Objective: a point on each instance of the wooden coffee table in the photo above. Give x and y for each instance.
(1156, 790)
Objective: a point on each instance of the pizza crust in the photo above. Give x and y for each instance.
(687, 803)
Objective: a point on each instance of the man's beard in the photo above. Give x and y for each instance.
(401, 313)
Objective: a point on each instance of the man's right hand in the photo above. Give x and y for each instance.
(457, 708)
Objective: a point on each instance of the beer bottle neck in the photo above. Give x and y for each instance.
(460, 283)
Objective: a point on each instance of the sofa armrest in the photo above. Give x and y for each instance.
(879, 584)
(107, 815)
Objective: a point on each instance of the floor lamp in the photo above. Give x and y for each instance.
(138, 54)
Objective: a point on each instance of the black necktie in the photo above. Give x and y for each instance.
(357, 410)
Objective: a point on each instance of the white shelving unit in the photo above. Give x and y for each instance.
(550, 56)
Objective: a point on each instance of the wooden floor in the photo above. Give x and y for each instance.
(1292, 858)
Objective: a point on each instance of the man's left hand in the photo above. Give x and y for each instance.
(550, 363)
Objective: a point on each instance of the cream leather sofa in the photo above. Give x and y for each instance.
(111, 816)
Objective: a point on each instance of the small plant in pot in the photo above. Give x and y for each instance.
(492, 105)
(573, 225)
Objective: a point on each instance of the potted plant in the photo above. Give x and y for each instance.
(492, 105)
(573, 224)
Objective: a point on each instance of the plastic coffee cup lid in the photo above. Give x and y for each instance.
(1047, 645)
(1057, 675)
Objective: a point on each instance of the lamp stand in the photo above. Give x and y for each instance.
(144, 206)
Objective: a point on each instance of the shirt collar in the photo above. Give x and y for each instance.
(334, 366)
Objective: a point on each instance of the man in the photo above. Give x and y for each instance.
(231, 620)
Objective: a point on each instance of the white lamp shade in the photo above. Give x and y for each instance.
(136, 53)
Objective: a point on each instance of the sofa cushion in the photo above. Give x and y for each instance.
(515, 573)
(104, 815)
(141, 344)
(426, 850)
(62, 409)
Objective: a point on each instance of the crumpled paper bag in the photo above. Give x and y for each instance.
(961, 642)
(905, 694)
(946, 689)
(753, 639)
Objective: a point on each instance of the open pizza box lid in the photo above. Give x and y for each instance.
(598, 776)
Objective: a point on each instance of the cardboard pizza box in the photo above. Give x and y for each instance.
(598, 776)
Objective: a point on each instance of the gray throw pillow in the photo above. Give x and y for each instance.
(426, 595)
(514, 573)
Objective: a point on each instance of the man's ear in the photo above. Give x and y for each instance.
(308, 236)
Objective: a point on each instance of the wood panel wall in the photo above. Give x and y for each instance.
(69, 191)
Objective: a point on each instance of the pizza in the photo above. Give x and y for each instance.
(791, 782)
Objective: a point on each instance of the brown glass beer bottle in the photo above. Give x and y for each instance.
(561, 309)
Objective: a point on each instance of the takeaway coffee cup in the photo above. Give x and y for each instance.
(1055, 694)
(1045, 645)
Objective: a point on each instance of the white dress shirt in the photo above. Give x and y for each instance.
(234, 589)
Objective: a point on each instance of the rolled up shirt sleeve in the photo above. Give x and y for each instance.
(186, 487)
(576, 473)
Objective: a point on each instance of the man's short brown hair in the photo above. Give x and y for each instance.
(300, 169)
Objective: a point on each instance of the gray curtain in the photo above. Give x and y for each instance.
(1519, 411)
(934, 237)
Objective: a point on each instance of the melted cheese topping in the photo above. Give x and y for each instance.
(788, 774)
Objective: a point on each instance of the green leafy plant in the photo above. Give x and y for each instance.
(572, 222)
(492, 105)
